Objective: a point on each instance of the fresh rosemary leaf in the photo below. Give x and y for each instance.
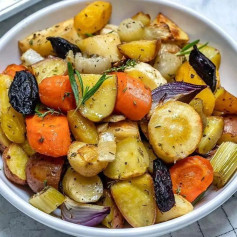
(89, 34)
(81, 82)
(182, 53)
(48, 111)
(204, 45)
(188, 46)
(73, 82)
(128, 64)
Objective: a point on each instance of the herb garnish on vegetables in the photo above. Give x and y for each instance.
(49, 111)
(188, 48)
(128, 64)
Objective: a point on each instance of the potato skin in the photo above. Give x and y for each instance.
(41, 169)
(21, 158)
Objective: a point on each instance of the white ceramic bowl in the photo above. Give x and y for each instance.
(198, 27)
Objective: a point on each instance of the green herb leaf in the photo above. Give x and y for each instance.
(89, 34)
(188, 46)
(128, 64)
(49, 111)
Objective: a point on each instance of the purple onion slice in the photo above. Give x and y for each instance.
(83, 214)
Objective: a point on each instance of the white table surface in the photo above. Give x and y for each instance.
(222, 222)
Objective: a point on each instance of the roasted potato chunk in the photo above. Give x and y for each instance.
(4, 142)
(98, 106)
(135, 199)
(115, 219)
(102, 45)
(43, 170)
(14, 163)
(82, 189)
(27, 148)
(38, 42)
(131, 160)
(147, 74)
(109, 29)
(48, 68)
(230, 130)
(175, 130)
(93, 17)
(151, 155)
(82, 129)
(145, 19)
(142, 50)
(84, 159)
(182, 207)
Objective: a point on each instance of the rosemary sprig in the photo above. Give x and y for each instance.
(86, 92)
(128, 64)
(49, 111)
(187, 48)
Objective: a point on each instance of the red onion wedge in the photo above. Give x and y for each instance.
(83, 214)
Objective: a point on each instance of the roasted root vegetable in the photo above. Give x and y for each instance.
(109, 29)
(84, 159)
(49, 135)
(30, 57)
(163, 186)
(102, 45)
(47, 200)
(191, 177)
(211, 134)
(27, 148)
(93, 17)
(114, 118)
(131, 160)
(225, 102)
(130, 30)
(83, 214)
(151, 155)
(224, 163)
(4, 142)
(141, 212)
(43, 170)
(82, 189)
(82, 128)
(133, 98)
(14, 161)
(179, 36)
(56, 93)
(12, 69)
(175, 130)
(181, 207)
(38, 40)
(142, 50)
(147, 74)
(230, 130)
(98, 106)
(187, 74)
(48, 68)
(114, 219)
(145, 19)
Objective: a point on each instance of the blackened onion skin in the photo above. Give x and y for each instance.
(24, 92)
(163, 186)
(204, 67)
(62, 46)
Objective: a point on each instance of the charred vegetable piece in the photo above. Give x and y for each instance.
(204, 67)
(83, 214)
(24, 93)
(62, 46)
(163, 186)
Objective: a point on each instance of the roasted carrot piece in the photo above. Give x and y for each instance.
(56, 93)
(191, 176)
(13, 68)
(133, 98)
(49, 135)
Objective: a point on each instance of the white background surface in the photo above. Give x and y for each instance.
(222, 222)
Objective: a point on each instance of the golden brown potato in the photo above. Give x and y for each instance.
(145, 19)
(102, 45)
(179, 36)
(175, 130)
(14, 163)
(43, 170)
(98, 106)
(131, 160)
(4, 142)
(114, 118)
(135, 199)
(142, 50)
(84, 159)
(27, 148)
(143, 124)
(48, 68)
(230, 130)
(93, 17)
(115, 219)
(38, 42)
(151, 155)
(182, 207)
(82, 129)
(82, 189)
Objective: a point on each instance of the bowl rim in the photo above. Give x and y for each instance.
(163, 228)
